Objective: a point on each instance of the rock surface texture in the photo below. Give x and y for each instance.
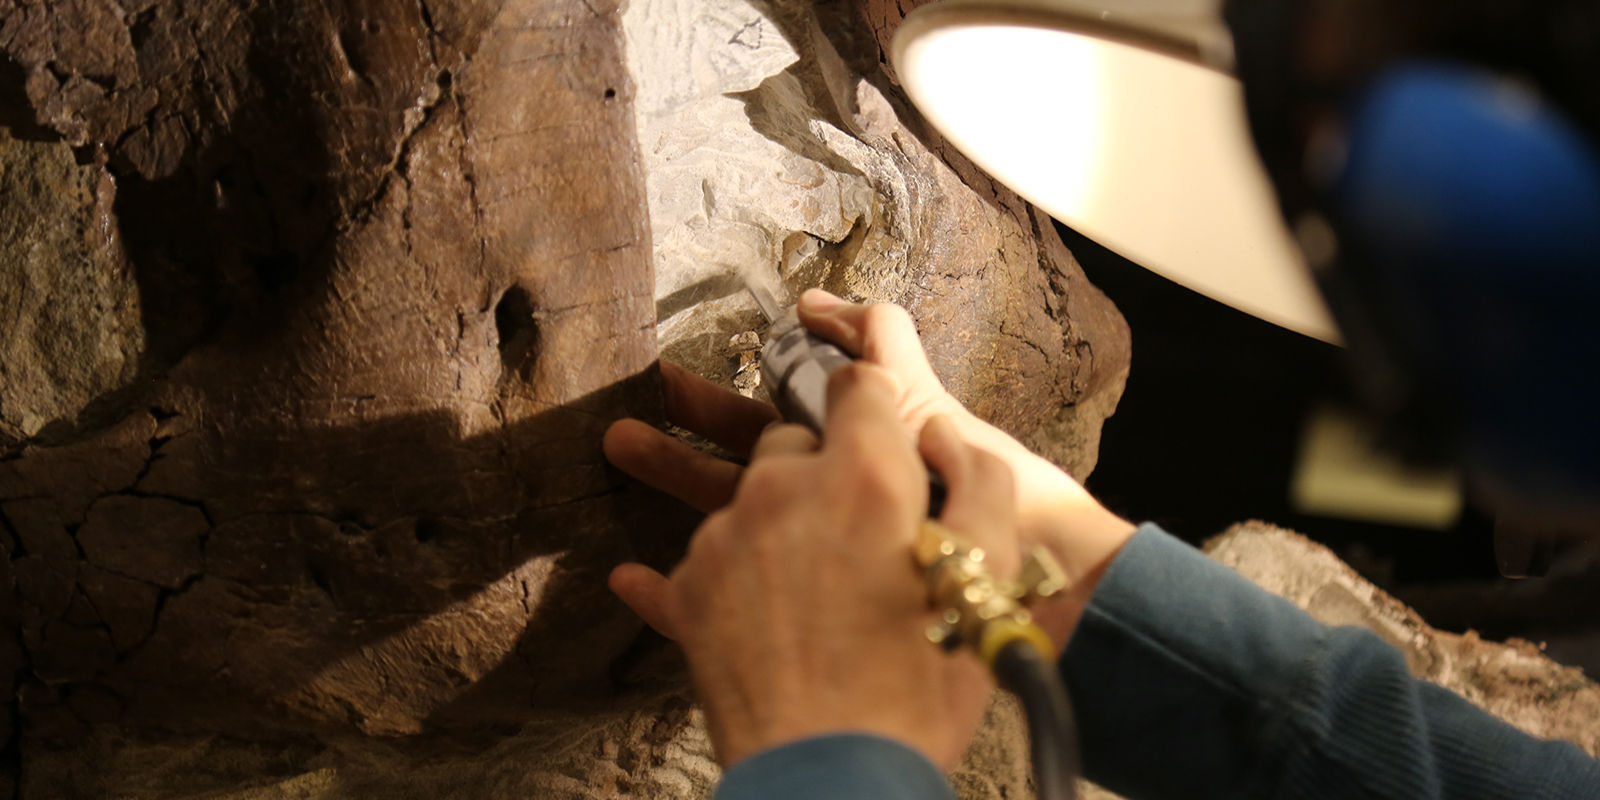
(312, 315)
(315, 315)
(775, 145)
(664, 752)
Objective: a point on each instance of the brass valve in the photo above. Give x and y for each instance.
(977, 609)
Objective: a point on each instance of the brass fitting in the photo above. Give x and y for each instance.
(977, 609)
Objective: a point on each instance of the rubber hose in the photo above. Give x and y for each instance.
(1052, 731)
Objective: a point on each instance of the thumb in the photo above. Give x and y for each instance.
(645, 591)
(883, 334)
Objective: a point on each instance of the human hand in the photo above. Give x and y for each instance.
(799, 605)
(882, 334)
(1052, 508)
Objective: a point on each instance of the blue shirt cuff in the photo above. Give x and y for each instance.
(847, 766)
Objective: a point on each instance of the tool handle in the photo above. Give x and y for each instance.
(795, 367)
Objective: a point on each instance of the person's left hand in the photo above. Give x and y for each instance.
(799, 605)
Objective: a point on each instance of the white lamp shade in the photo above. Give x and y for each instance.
(1105, 125)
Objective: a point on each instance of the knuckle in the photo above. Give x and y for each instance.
(787, 429)
(761, 482)
(796, 436)
(772, 435)
(765, 542)
(706, 542)
(880, 479)
(777, 427)
(770, 483)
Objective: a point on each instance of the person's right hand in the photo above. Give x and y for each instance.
(1052, 508)
(799, 605)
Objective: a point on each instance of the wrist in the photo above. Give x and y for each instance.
(736, 737)
(1055, 511)
(1051, 505)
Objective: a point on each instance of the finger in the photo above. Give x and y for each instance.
(729, 419)
(784, 439)
(863, 420)
(883, 334)
(834, 318)
(701, 480)
(981, 505)
(645, 591)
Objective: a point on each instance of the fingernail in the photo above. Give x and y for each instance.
(818, 301)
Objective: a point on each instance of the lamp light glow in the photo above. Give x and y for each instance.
(1106, 126)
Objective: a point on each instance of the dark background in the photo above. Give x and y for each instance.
(1206, 436)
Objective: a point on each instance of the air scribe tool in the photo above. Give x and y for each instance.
(795, 367)
(976, 609)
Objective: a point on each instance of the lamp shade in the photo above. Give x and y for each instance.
(1122, 120)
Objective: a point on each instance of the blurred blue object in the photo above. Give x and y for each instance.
(1478, 206)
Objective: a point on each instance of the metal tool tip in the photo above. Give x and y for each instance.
(763, 289)
(767, 303)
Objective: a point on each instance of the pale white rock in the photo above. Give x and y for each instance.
(741, 174)
(684, 51)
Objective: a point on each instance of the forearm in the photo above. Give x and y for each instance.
(1191, 682)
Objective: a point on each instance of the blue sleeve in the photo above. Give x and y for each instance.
(1190, 682)
(851, 766)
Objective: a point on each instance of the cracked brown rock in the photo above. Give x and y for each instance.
(381, 277)
(663, 751)
(126, 606)
(149, 539)
(313, 316)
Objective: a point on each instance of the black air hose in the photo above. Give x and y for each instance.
(1052, 732)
